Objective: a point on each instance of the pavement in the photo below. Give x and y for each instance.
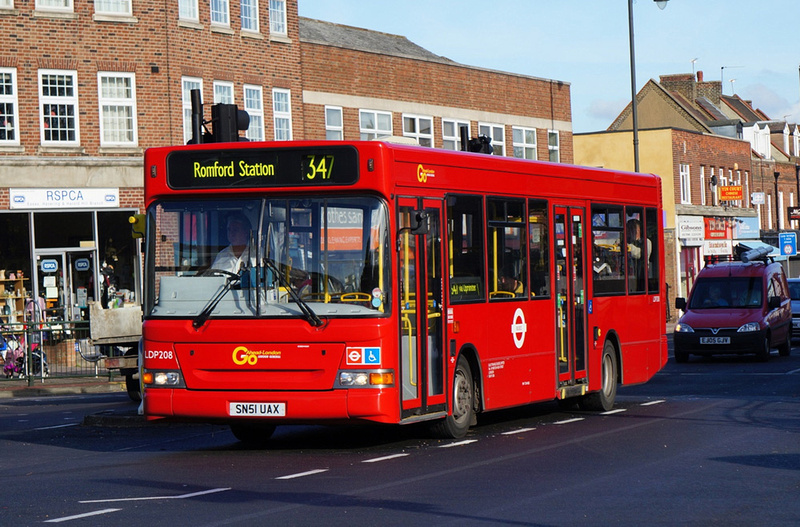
(59, 386)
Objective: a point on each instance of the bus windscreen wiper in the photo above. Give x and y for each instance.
(312, 317)
(232, 279)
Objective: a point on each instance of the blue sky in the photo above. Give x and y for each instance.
(585, 43)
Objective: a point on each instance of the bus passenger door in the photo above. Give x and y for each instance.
(571, 338)
(419, 258)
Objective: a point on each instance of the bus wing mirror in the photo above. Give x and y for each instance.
(419, 222)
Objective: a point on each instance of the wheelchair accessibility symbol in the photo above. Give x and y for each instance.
(363, 356)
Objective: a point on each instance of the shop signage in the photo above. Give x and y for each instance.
(717, 247)
(745, 228)
(691, 230)
(49, 265)
(717, 228)
(794, 213)
(82, 264)
(63, 198)
(730, 193)
(757, 198)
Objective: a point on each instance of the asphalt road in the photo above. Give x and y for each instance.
(712, 441)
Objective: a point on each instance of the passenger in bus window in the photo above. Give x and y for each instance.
(509, 283)
(235, 256)
(636, 252)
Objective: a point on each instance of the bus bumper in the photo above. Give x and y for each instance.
(330, 406)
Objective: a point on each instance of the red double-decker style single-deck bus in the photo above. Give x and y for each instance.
(328, 282)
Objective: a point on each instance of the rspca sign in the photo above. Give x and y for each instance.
(63, 198)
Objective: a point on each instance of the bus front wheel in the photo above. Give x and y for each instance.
(604, 399)
(458, 422)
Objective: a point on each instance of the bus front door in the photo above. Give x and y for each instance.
(419, 259)
(571, 338)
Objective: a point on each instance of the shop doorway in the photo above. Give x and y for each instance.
(66, 281)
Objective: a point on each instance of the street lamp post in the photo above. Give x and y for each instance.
(777, 211)
(634, 115)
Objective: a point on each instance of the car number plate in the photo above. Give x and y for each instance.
(715, 340)
(257, 409)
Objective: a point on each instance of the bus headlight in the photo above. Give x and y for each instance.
(365, 379)
(166, 379)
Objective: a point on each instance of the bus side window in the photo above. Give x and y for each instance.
(465, 252)
(607, 245)
(539, 241)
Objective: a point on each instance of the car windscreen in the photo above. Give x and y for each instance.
(723, 292)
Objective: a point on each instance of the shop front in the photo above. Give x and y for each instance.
(70, 247)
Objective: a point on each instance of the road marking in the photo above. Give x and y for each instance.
(611, 412)
(793, 372)
(568, 421)
(148, 498)
(57, 426)
(651, 403)
(517, 431)
(459, 443)
(384, 458)
(79, 516)
(303, 474)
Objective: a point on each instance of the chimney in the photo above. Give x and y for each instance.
(700, 76)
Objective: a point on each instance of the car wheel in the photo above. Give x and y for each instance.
(763, 353)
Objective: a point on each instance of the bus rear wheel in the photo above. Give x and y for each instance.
(253, 434)
(604, 399)
(458, 422)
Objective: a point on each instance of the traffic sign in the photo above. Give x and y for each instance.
(787, 241)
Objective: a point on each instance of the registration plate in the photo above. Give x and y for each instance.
(715, 340)
(257, 409)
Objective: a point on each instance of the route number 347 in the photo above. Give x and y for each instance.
(319, 167)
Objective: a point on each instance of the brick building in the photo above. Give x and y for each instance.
(86, 87)
(717, 158)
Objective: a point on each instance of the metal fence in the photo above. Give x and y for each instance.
(56, 348)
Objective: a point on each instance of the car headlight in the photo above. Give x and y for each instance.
(682, 327)
(749, 327)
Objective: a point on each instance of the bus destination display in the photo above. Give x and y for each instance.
(257, 168)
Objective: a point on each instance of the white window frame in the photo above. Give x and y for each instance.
(59, 100)
(223, 92)
(62, 6)
(334, 131)
(254, 106)
(110, 136)
(113, 7)
(13, 100)
(282, 114)
(379, 118)
(497, 133)
(520, 136)
(220, 13)
(554, 147)
(187, 84)
(277, 18)
(686, 183)
(6, 4)
(796, 141)
(451, 139)
(188, 10)
(413, 126)
(702, 184)
(249, 15)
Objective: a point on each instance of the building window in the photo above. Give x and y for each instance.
(187, 10)
(58, 103)
(8, 106)
(334, 123)
(117, 101)
(187, 85)
(282, 114)
(451, 133)
(220, 13)
(277, 17)
(702, 185)
(524, 141)
(254, 106)
(54, 5)
(495, 132)
(113, 7)
(686, 194)
(6, 4)
(554, 146)
(223, 92)
(249, 14)
(374, 124)
(419, 128)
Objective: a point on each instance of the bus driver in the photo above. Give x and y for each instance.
(233, 257)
